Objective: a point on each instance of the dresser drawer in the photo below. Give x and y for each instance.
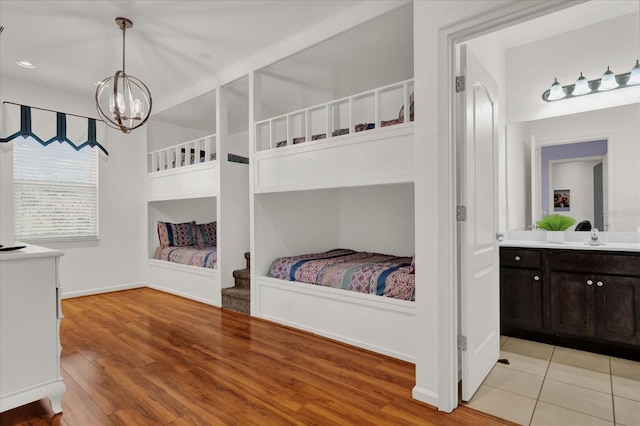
(595, 262)
(517, 257)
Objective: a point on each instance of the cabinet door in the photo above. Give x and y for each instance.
(521, 298)
(572, 301)
(617, 304)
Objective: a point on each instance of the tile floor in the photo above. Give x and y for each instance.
(546, 385)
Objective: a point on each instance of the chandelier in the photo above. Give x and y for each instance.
(123, 101)
(582, 86)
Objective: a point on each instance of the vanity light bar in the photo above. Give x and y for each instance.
(608, 82)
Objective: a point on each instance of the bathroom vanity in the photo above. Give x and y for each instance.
(575, 295)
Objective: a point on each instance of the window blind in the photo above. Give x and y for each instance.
(55, 191)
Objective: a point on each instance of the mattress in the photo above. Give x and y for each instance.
(203, 256)
(363, 272)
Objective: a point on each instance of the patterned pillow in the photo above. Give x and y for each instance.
(207, 234)
(176, 234)
(412, 269)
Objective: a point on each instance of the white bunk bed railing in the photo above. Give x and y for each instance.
(184, 154)
(364, 111)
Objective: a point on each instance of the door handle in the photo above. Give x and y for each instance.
(536, 278)
(589, 282)
(517, 258)
(599, 283)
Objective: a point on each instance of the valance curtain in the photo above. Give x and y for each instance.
(47, 127)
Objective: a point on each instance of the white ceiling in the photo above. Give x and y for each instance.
(77, 43)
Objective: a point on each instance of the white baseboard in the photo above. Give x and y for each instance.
(425, 395)
(72, 294)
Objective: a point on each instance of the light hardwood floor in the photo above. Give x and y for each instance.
(143, 357)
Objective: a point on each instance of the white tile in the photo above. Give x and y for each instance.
(547, 414)
(524, 363)
(581, 359)
(524, 384)
(528, 348)
(625, 368)
(627, 411)
(626, 388)
(583, 400)
(503, 339)
(503, 404)
(580, 377)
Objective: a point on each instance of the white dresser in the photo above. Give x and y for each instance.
(30, 313)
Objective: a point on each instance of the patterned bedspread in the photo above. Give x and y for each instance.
(203, 256)
(364, 272)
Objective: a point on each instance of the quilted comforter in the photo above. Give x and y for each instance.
(364, 272)
(203, 256)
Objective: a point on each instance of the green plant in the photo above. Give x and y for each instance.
(556, 222)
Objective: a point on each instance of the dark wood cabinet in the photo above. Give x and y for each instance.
(521, 289)
(587, 299)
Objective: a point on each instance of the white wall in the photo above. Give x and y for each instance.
(577, 177)
(533, 67)
(116, 260)
(378, 219)
(518, 177)
(371, 218)
(163, 135)
(201, 210)
(294, 223)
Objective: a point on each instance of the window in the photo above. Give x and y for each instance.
(55, 191)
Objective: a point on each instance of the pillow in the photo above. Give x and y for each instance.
(412, 269)
(207, 234)
(176, 234)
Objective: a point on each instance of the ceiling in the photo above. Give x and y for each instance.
(172, 45)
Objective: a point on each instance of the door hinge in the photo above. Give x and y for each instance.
(461, 213)
(460, 84)
(462, 342)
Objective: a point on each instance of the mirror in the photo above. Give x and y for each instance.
(588, 162)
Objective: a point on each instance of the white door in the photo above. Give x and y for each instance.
(478, 249)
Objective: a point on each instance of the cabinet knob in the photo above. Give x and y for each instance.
(517, 257)
(599, 283)
(536, 278)
(589, 282)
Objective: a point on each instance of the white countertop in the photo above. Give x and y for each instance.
(635, 247)
(613, 241)
(29, 252)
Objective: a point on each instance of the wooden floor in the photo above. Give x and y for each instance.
(143, 357)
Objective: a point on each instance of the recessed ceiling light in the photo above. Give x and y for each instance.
(25, 64)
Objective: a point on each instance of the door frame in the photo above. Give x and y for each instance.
(448, 38)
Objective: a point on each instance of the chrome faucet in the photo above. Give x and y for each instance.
(594, 239)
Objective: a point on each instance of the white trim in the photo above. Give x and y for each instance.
(101, 290)
(448, 37)
(380, 324)
(425, 395)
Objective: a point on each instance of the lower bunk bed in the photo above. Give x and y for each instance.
(377, 312)
(185, 263)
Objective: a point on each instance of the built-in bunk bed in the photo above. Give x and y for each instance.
(333, 194)
(194, 247)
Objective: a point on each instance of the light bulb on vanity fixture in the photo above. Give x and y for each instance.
(582, 86)
(609, 81)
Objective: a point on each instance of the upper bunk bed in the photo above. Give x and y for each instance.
(363, 139)
(186, 170)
